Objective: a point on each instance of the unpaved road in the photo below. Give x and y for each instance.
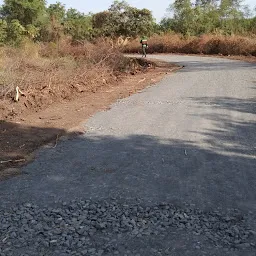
(189, 141)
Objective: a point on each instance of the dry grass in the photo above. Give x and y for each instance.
(206, 44)
(46, 74)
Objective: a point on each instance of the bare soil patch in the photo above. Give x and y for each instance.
(27, 129)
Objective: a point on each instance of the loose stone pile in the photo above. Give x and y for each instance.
(88, 227)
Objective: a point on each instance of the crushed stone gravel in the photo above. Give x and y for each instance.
(91, 228)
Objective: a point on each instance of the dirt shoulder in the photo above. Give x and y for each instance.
(25, 132)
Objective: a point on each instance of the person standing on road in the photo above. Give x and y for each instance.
(144, 44)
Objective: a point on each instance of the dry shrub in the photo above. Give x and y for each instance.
(238, 46)
(207, 44)
(46, 78)
(192, 45)
(158, 44)
(210, 44)
(100, 53)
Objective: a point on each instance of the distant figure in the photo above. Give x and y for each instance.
(144, 44)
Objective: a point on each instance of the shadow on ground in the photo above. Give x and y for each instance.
(231, 135)
(18, 141)
(228, 103)
(221, 172)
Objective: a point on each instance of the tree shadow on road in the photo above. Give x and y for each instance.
(18, 141)
(218, 171)
(150, 168)
(233, 132)
(233, 104)
(143, 169)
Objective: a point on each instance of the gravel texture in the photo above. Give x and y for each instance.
(189, 139)
(91, 228)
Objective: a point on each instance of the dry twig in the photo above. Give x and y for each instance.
(13, 161)
(142, 80)
(18, 93)
(56, 142)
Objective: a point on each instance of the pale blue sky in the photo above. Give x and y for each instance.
(158, 7)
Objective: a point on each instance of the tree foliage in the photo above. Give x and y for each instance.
(208, 16)
(3, 31)
(25, 11)
(77, 24)
(15, 32)
(123, 20)
(34, 19)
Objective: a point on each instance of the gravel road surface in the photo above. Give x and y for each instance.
(168, 171)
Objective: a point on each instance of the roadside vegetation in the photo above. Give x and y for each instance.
(43, 78)
(226, 27)
(48, 52)
(204, 44)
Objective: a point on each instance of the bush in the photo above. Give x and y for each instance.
(206, 44)
(39, 74)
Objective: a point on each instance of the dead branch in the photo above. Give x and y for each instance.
(110, 53)
(56, 142)
(50, 118)
(142, 80)
(18, 93)
(13, 161)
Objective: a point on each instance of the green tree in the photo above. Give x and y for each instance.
(208, 16)
(252, 26)
(32, 31)
(3, 31)
(25, 11)
(78, 25)
(15, 32)
(123, 20)
(58, 11)
(139, 22)
(100, 23)
(167, 24)
(232, 16)
(183, 14)
(52, 26)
